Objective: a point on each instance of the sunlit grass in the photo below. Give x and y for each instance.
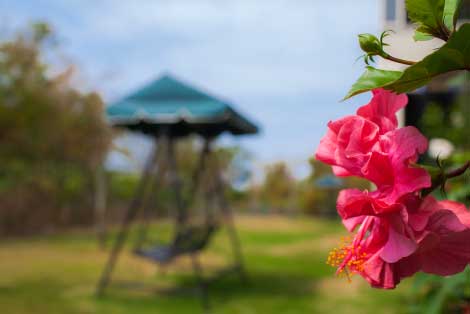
(285, 261)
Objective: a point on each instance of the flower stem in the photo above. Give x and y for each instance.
(440, 178)
(459, 171)
(397, 60)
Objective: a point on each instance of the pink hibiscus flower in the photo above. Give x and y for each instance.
(428, 236)
(397, 233)
(385, 238)
(347, 145)
(369, 145)
(444, 242)
(349, 140)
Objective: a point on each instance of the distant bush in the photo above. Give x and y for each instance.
(52, 138)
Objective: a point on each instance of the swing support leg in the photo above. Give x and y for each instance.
(203, 286)
(175, 182)
(228, 216)
(237, 251)
(151, 199)
(131, 213)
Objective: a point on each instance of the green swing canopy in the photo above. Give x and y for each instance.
(168, 105)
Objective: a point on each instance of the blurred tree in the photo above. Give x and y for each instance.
(314, 200)
(52, 139)
(278, 187)
(317, 200)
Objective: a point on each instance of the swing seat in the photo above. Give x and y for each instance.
(187, 241)
(161, 254)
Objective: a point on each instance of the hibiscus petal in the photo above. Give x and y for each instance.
(379, 170)
(450, 256)
(380, 274)
(353, 202)
(341, 172)
(408, 266)
(382, 109)
(443, 222)
(397, 247)
(458, 209)
(419, 214)
(347, 144)
(402, 146)
(326, 149)
(352, 223)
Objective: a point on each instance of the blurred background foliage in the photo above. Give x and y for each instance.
(451, 122)
(52, 138)
(54, 141)
(431, 294)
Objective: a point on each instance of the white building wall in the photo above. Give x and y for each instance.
(402, 44)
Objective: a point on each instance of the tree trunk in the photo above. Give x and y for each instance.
(100, 205)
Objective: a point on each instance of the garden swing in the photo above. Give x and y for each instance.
(169, 110)
(189, 237)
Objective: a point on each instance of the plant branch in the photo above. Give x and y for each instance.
(445, 32)
(397, 60)
(459, 171)
(439, 177)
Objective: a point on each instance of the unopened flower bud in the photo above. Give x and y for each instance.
(370, 44)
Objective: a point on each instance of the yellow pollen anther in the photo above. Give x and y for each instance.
(347, 258)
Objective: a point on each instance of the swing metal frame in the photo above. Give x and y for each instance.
(153, 172)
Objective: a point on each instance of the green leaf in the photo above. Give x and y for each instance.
(454, 55)
(372, 78)
(428, 15)
(422, 36)
(451, 13)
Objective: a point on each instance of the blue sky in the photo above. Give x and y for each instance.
(285, 64)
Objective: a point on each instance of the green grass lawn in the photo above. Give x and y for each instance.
(284, 260)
